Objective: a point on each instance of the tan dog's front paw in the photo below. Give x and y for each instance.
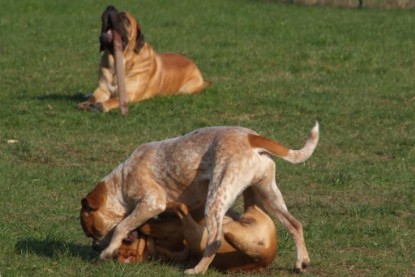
(85, 105)
(98, 107)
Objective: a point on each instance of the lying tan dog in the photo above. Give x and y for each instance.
(147, 73)
(248, 243)
(208, 167)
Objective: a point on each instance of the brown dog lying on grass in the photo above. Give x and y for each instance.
(248, 243)
(147, 73)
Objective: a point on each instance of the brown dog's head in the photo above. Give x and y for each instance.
(126, 25)
(99, 217)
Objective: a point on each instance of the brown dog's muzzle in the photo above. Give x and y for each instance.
(113, 20)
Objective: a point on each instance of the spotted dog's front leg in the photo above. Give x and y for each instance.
(147, 208)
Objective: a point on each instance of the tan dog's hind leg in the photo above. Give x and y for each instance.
(274, 202)
(244, 237)
(152, 204)
(195, 87)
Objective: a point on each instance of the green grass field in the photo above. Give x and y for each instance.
(275, 68)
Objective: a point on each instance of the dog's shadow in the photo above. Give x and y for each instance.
(77, 97)
(55, 249)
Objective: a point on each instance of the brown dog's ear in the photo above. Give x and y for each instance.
(139, 43)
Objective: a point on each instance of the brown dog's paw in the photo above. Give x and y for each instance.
(131, 237)
(129, 259)
(127, 255)
(129, 251)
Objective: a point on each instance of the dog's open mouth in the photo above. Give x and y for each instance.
(110, 35)
(106, 40)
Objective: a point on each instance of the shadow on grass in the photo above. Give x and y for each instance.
(78, 97)
(54, 249)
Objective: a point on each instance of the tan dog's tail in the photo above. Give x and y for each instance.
(293, 156)
(206, 84)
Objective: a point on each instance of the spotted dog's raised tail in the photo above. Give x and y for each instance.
(277, 149)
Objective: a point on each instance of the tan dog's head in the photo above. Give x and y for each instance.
(126, 25)
(98, 217)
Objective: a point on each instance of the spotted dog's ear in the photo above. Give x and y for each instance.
(95, 198)
(88, 206)
(139, 43)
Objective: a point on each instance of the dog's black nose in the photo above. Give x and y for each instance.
(96, 246)
(110, 9)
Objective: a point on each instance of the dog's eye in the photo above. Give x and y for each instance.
(126, 22)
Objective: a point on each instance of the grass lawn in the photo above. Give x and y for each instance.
(275, 68)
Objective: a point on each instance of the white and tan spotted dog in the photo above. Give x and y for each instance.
(208, 167)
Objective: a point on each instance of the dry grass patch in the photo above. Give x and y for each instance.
(389, 4)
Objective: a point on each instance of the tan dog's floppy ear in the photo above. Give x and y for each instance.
(139, 43)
